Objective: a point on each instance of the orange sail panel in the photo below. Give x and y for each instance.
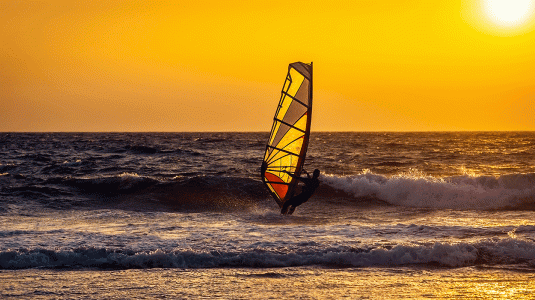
(288, 141)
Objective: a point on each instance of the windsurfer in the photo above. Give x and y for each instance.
(311, 183)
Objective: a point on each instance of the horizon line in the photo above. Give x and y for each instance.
(318, 131)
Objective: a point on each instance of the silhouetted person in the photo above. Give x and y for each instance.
(311, 183)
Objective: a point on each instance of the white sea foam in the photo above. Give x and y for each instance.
(457, 192)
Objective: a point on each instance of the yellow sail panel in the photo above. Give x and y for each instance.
(297, 80)
(288, 97)
(292, 85)
(286, 163)
(280, 160)
(291, 143)
(284, 105)
(288, 140)
(292, 146)
(302, 122)
(266, 155)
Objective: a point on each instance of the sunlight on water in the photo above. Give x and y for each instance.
(287, 283)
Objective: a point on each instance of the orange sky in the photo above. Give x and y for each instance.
(219, 65)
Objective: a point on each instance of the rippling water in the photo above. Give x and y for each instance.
(186, 206)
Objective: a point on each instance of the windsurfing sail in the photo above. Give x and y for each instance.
(288, 142)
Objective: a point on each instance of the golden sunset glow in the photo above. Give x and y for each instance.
(507, 12)
(219, 65)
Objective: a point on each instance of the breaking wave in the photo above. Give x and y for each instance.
(487, 252)
(514, 191)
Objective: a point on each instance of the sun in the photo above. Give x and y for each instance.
(509, 12)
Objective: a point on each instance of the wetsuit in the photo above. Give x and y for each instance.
(311, 184)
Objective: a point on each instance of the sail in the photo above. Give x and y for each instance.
(288, 141)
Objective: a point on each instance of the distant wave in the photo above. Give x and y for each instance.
(140, 149)
(514, 191)
(187, 193)
(506, 251)
(118, 184)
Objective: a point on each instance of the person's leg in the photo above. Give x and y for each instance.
(293, 203)
(291, 211)
(285, 206)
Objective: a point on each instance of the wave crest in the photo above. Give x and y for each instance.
(490, 252)
(515, 191)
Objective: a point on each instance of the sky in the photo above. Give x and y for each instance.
(177, 66)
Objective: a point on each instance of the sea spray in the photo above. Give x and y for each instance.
(454, 192)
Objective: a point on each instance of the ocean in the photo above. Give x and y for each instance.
(185, 215)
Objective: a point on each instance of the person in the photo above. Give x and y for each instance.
(311, 183)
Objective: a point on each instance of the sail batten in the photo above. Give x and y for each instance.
(277, 182)
(285, 151)
(296, 128)
(288, 140)
(295, 99)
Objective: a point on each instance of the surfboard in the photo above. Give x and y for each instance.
(288, 141)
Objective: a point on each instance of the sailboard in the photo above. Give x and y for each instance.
(288, 141)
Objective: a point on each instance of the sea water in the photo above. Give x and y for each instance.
(185, 215)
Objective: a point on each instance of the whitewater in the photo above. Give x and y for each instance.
(146, 215)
